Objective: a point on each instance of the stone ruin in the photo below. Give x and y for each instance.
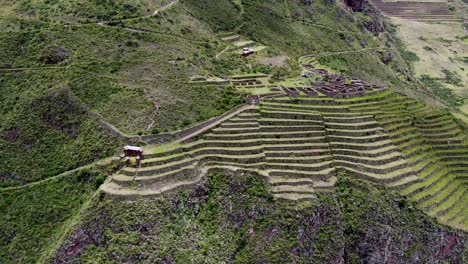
(253, 99)
(340, 86)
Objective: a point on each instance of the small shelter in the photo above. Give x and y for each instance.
(247, 52)
(132, 151)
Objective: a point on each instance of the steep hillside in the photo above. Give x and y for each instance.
(232, 218)
(132, 68)
(343, 152)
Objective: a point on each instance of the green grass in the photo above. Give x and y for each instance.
(33, 218)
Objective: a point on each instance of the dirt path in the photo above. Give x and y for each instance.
(219, 54)
(157, 11)
(34, 68)
(100, 162)
(245, 107)
(157, 104)
(343, 52)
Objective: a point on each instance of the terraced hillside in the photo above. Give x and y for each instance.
(300, 143)
(426, 11)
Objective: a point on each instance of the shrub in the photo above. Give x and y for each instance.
(439, 90)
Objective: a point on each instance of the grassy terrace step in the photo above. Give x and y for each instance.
(420, 162)
(303, 108)
(118, 191)
(247, 115)
(349, 120)
(409, 144)
(449, 147)
(300, 109)
(178, 174)
(271, 129)
(236, 120)
(387, 106)
(299, 160)
(288, 122)
(434, 123)
(445, 184)
(233, 131)
(254, 142)
(352, 126)
(291, 115)
(299, 189)
(457, 157)
(407, 141)
(412, 152)
(151, 170)
(387, 178)
(239, 125)
(315, 175)
(327, 100)
(445, 201)
(316, 184)
(360, 139)
(298, 153)
(400, 128)
(442, 130)
(457, 210)
(294, 196)
(388, 168)
(456, 163)
(267, 135)
(404, 182)
(355, 132)
(448, 141)
(374, 153)
(361, 146)
(431, 176)
(296, 147)
(451, 134)
(384, 160)
(299, 167)
(394, 123)
(453, 152)
(201, 151)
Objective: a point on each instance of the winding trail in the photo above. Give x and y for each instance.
(327, 53)
(157, 11)
(223, 51)
(157, 104)
(100, 162)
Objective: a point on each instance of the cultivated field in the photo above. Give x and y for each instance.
(428, 11)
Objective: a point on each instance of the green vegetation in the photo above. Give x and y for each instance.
(70, 71)
(452, 78)
(32, 218)
(439, 90)
(232, 218)
(48, 134)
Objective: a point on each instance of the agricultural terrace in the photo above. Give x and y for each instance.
(299, 143)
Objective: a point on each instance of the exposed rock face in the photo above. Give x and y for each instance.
(374, 25)
(355, 5)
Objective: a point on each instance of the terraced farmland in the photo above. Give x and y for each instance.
(420, 11)
(298, 144)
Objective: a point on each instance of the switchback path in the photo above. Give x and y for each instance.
(219, 54)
